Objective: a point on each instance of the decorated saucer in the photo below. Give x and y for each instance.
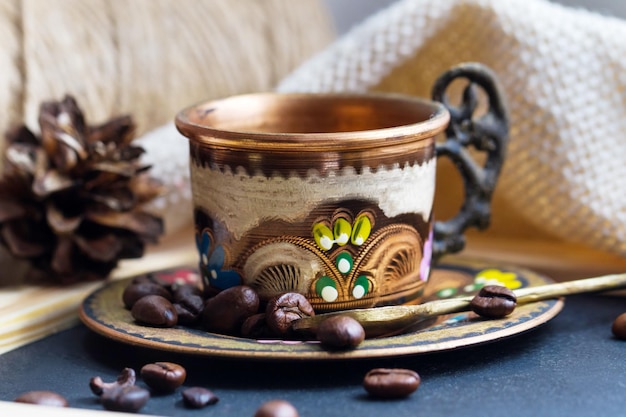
(103, 312)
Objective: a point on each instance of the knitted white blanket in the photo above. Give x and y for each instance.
(564, 74)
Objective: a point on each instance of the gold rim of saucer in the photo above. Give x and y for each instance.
(104, 313)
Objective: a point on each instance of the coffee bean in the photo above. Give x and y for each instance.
(189, 308)
(226, 312)
(340, 332)
(155, 311)
(391, 383)
(255, 327)
(49, 398)
(128, 399)
(142, 279)
(494, 302)
(150, 278)
(619, 327)
(198, 397)
(126, 378)
(276, 408)
(163, 376)
(184, 291)
(285, 308)
(134, 292)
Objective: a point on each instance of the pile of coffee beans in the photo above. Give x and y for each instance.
(155, 303)
(236, 311)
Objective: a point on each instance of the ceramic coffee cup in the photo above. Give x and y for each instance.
(331, 195)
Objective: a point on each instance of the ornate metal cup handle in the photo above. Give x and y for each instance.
(487, 133)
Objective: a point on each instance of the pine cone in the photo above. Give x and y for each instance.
(71, 199)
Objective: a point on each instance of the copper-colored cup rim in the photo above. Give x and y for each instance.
(207, 134)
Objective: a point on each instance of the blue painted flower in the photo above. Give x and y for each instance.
(211, 264)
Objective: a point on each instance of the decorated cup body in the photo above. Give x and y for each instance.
(328, 195)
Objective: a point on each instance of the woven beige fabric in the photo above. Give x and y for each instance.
(150, 58)
(564, 74)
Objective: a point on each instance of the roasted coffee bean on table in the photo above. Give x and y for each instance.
(128, 399)
(48, 398)
(163, 377)
(391, 383)
(226, 311)
(155, 310)
(340, 332)
(198, 397)
(619, 327)
(276, 408)
(126, 378)
(284, 309)
(122, 394)
(494, 302)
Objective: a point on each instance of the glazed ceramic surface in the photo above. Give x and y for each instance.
(103, 311)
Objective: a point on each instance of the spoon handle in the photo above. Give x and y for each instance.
(382, 320)
(588, 285)
(528, 295)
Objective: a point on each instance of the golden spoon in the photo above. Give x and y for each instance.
(379, 321)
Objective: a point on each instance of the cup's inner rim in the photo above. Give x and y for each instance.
(361, 117)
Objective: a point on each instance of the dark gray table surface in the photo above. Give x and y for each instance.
(570, 366)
